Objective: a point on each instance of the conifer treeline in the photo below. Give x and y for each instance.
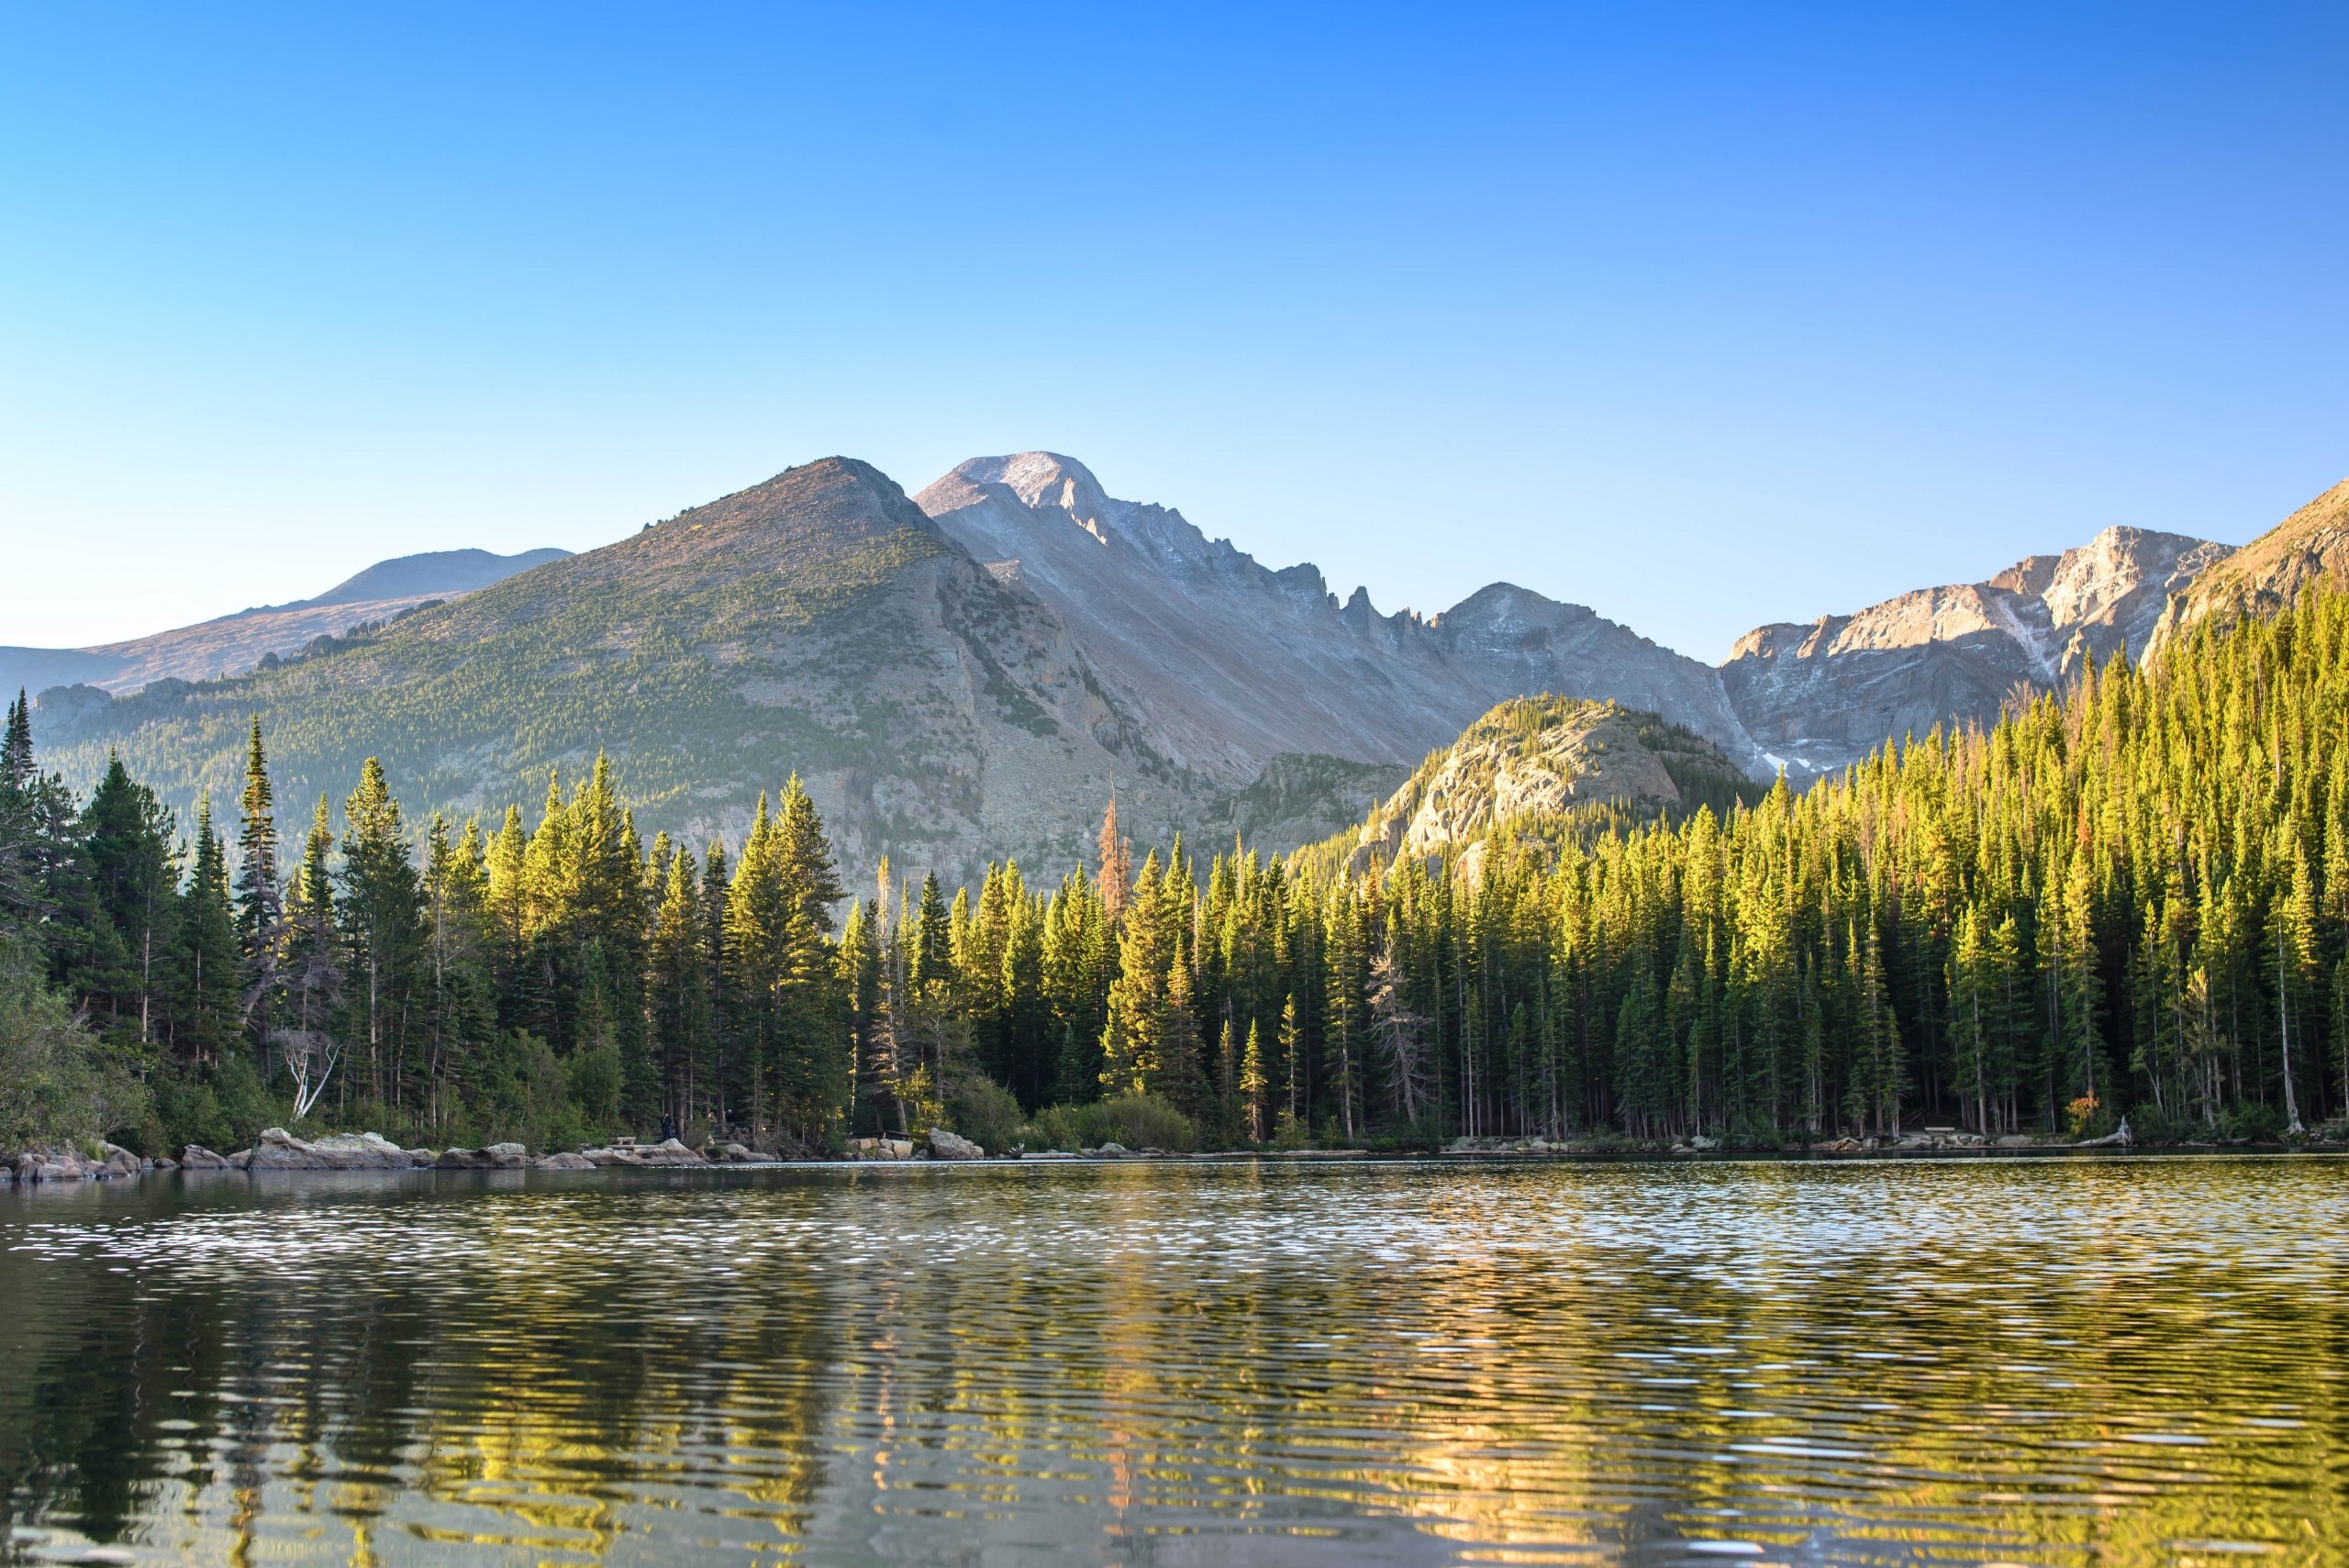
(2134, 897)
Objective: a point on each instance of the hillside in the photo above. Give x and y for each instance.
(2268, 575)
(1822, 696)
(1545, 767)
(817, 623)
(229, 645)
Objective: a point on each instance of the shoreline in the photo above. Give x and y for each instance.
(206, 1173)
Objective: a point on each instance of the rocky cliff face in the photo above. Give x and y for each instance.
(1232, 664)
(1821, 696)
(2267, 574)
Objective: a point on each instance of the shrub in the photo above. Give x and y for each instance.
(2255, 1123)
(2080, 1115)
(593, 1076)
(985, 1112)
(56, 1083)
(1134, 1121)
(2148, 1124)
(1057, 1126)
(1145, 1122)
(246, 1105)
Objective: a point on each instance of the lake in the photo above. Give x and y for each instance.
(2038, 1361)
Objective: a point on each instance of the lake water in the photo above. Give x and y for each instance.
(2132, 1361)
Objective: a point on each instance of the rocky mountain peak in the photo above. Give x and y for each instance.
(2096, 581)
(1822, 696)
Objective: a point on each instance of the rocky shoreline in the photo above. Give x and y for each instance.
(277, 1150)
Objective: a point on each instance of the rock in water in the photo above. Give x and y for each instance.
(195, 1157)
(496, 1157)
(53, 1165)
(278, 1149)
(665, 1155)
(944, 1145)
(566, 1162)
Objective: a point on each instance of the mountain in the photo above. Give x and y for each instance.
(1235, 663)
(2267, 574)
(1821, 696)
(1539, 764)
(233, 644)
(818, 623)
(969, 673)
(439, 573)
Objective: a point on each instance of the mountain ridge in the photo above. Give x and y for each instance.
(969, 672)
(1238, 663)
(231, 644)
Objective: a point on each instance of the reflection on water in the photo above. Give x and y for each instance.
(2137, 1361)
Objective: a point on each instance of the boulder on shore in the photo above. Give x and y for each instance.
(566, 1162)
(665, 1155)
(278, 1149)
(880, 1149)
(197, 1157)
(945, 1145)
(496, 1157)
(740, 1154)
(54, 1166)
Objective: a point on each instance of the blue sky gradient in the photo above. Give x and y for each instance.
(1702, 316)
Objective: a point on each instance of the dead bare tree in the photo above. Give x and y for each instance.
(1399, 1029)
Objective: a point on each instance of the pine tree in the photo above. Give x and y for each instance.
(1252, 1085)
(261, 916)
(204, 1006)
(1116, 856)
(678, 990)
(16, 747)
(309, 973)
(382, 917)
(457, 1004)
(1134, 1038)
(132, 878)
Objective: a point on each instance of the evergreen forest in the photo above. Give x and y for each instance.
(2129, 897)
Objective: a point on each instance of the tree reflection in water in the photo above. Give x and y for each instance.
(2126, 1361)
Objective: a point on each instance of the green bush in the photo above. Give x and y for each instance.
(2256, 1123)
(985, 1112)
(1145, 1122)
(2149, 1124)
(593, 1076)
(1058, 1126)
(1132, 1121)
(57, 1084)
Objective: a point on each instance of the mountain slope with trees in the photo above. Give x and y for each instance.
(818, 622)
(2130, 899)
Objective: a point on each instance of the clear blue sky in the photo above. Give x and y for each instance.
(1703, 315)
